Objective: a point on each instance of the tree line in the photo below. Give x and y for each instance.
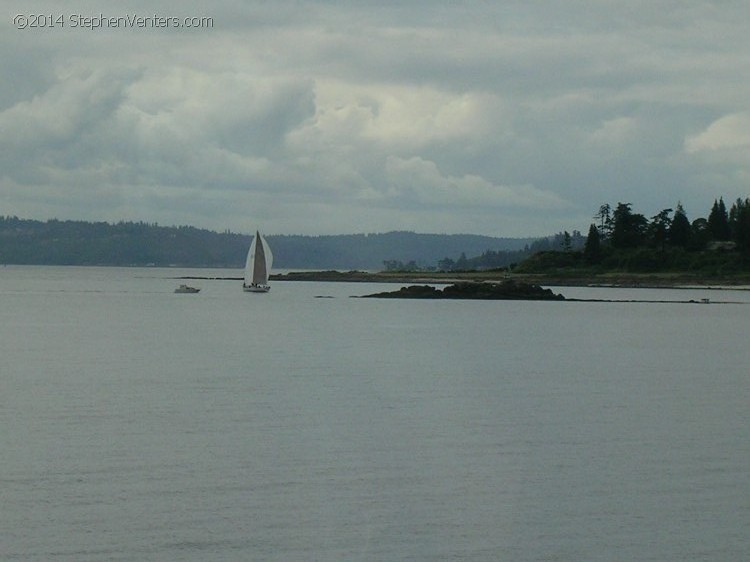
(623, 229)
(622, 239)
(67, 242)
(506, 259)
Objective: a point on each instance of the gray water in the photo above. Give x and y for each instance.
(138, 424)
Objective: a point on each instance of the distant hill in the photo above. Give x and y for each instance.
(57, 242)
(370, 251)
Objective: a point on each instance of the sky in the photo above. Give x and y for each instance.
(504, 118)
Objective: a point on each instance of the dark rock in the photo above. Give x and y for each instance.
(411, 292)
(507, 290)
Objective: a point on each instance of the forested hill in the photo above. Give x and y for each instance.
(57, 242)
(371, 251)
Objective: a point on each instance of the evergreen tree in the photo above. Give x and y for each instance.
(592, 249)
(659, 227)
(718, 221)
(628, 228)
(679, 230)
(604, 216)
(739, 221)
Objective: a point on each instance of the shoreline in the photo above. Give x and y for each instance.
(622, 280)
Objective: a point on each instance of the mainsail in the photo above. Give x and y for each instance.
(259, 262)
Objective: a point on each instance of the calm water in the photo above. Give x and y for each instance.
(138, 424)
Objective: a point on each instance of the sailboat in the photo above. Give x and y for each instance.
(258, 266)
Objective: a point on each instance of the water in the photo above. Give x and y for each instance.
(139, 424)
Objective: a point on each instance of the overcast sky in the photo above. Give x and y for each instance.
(506, 118)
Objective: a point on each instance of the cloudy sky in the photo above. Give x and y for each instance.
(506, 118)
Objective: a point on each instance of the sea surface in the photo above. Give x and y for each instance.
(138, 424)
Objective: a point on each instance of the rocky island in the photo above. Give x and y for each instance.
(505, 290)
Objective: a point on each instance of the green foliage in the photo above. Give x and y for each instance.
(489, 259)
(663, 244)
(498, 260)
(718, 221)
(592, 251)
(138, 243)
(700, 234)
(604, 216)
(567, 242)
(659, 227)
(126, 243)
(739, 224)
(628, 228)
(679, 230)
(398, 265)
(553, 262)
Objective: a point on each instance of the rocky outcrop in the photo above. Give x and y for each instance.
(506, 290)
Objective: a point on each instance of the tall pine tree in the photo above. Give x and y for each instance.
(718, 221)
(739, 221)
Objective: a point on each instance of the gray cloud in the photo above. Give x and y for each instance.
(513, 118)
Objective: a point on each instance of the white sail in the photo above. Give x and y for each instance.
(258, 264)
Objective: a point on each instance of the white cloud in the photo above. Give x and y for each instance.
(420, 181)
(403, 116)
(730, 132)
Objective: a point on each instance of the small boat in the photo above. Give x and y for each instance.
(258, 266)
(186, 289)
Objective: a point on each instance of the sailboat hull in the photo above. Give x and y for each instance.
(256, 288)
